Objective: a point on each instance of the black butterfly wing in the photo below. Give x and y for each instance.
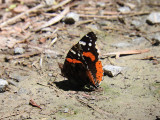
(90, 56)
(81, 65)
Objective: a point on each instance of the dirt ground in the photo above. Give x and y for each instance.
(34, 75)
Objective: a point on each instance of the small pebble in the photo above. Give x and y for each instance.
(104, 23)
(112, 70)
(71, 18)
(138, 41)
(66, 110)
(101, 4)
(19, 50)
(3, 85)
(136, 23)
(50, 75)
(124, 9)
(50, 2)
(154, 18)
(156, 40)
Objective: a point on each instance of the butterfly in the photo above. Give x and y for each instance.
(82, 65)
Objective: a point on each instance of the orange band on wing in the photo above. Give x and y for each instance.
(73, 60)
(90, 77)
(90, 55)
(99, 73)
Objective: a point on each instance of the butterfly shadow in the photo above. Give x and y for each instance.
(67, 86)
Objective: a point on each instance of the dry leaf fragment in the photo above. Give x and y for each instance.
(33, 103)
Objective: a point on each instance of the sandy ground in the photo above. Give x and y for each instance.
(133, 94)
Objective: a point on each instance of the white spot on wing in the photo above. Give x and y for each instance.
(73, 51)
(90, 44)
(82, 43)
(78, 54)
(86, 35)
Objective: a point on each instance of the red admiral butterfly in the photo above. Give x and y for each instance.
(81, 65)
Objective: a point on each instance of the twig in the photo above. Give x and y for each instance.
(83, 22)
(129, 52)
(112, 15)
(155, 59)
(153, 4)
(13, 20)
(137, 13)
(53, 41)
(99, 16)
(92, 12)
(55, 19)
(150, 58)
(113, 28)
(127, 13)
(41, 61)
(26, 55)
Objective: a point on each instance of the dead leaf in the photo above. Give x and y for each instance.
(33, 103)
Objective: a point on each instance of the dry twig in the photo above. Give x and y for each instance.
(26, 55)
(99, 16)
(155, 59)
(129, 52)
(83, 22)
(53, 41)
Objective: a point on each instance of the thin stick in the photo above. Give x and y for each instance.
(117, 54)
(41, 61)
(53, 41)
(26, 55)
(99, 16)
(83, 22)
